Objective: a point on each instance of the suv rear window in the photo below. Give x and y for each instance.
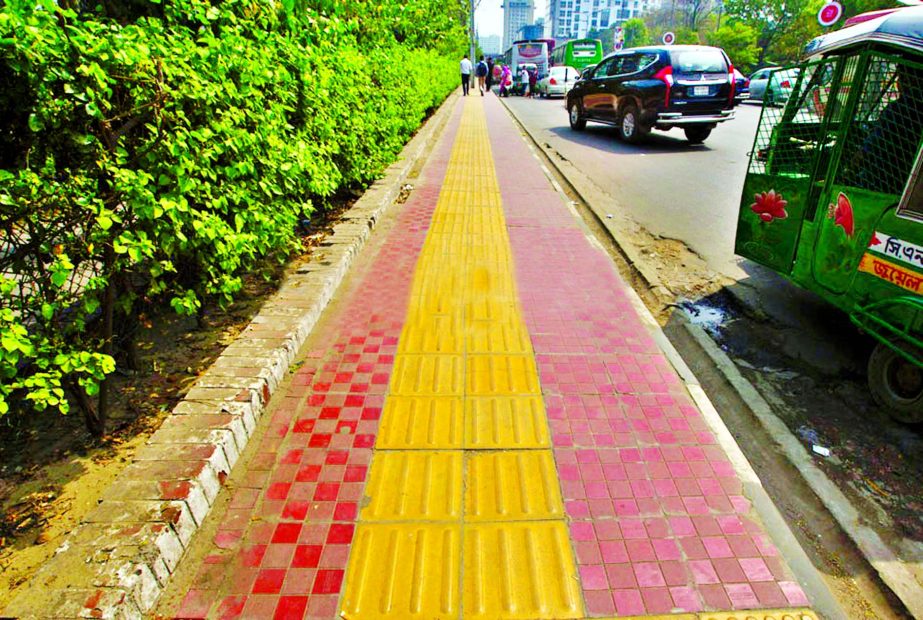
(698, 61)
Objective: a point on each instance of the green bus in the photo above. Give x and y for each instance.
(577, 53)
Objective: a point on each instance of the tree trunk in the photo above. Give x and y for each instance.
(98, 428)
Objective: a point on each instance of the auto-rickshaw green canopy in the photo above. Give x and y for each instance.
(833, 198)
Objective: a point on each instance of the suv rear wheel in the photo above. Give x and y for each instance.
(697, 135)
(630, 128)
(577, 122)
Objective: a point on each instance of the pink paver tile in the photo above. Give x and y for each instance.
(628, 602)
(755, 569)
(298, 581)
(648, 574)
(599, 602)
(741, 595)
(196, 604)
(269, 581)
(686, 599)
(794, 593)
(260, 606)
(621, 576)
(613, 551)
(231, 607)
(657, 600)
(593, 577)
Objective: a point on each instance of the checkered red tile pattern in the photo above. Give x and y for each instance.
(282, 546)
(659, 522)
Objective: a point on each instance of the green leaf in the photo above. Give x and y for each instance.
(35, 124)
(47, 311)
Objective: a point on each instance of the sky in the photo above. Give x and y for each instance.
(488, 18)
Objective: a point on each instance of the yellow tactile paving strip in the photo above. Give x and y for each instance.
(463, 515)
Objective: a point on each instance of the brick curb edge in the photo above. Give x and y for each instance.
(117, 562)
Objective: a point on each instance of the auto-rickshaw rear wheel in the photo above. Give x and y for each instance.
(896, 384)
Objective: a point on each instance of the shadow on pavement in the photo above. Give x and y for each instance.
(605, 137)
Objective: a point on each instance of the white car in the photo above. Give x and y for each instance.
(558, 81)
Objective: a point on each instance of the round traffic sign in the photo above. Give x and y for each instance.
(668, 38)
(830, 13)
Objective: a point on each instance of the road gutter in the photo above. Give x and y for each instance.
(892, 570)
(808, 575)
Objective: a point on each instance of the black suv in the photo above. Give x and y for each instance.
(644, 88)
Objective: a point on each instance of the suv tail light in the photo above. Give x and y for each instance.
(553, 82)
(732, 81)
(665, 75)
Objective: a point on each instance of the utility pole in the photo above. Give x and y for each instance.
(471, 27)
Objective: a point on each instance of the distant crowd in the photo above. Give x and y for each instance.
(489, 73)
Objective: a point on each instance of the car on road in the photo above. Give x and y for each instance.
(658, 87)
(772, 84)
(558, 81)
(741, 86)
(587, 70)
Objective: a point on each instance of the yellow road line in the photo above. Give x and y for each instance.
(464, 514)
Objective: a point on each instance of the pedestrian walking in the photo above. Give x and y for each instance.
(490, 73)
(524, 81)
(465, 75)
(533, 79)
(506, 81)
(481, 72)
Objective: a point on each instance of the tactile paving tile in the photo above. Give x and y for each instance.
(505, 422)
(496, 337)
(519, 570)
(512, 485)
(414, 485)
(403, 571)
(422, 422)
(416, 375)
(488, 375)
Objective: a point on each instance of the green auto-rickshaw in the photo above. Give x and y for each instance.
(833, 198)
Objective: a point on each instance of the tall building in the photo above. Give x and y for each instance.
(573, 19)
(490, 44)
(531, 31)
(516, 14)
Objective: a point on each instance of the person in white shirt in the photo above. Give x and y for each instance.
(524, 80)
(465, 75)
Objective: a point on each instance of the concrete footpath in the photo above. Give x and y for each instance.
(483, 426)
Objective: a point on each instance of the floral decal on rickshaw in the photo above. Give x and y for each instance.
(842, 215)
(769, 206)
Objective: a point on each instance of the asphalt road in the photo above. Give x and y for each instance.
(672, 188)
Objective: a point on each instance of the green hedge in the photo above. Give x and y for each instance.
(157, 151)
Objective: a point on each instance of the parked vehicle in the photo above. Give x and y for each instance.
(587, 70)
(558, 81)
(773, 84)
(741, 86)
(535, 53)
(833, 198)
(688, 86)
(759, 80)
(577, 53)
